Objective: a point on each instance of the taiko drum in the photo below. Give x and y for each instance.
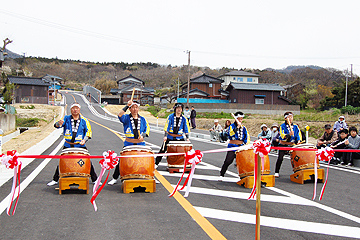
(133, 167)
(178, 147)
(245, 162)
(303, 159)
(75, 166)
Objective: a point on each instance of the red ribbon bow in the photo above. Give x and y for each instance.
(10, 160)
(109, 161)
(323, 154)
(261, 147)
(191, 157)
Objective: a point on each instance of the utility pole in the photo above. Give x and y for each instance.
(188, 86)
(346, 87)
(351, 73)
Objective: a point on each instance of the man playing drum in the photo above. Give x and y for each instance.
(77, 131)
(238, 136)
(176, 125)
(136, 128)
(289, 134)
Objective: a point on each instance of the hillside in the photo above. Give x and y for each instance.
(318, 81)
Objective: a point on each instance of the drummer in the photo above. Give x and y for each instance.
(176, 125)
(289, 135)
(136, 128)
(238, 136)
(77, 131)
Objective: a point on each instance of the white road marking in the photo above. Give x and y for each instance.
(282, 223)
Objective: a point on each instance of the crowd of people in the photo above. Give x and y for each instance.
(338, 136)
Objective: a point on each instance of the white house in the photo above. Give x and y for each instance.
(239, 77)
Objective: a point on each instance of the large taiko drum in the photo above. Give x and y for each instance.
(75, 166)
(245, 162)
(178, 147)
(303, 159)
(137, 167)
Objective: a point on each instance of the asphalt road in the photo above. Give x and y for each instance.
(287, 209)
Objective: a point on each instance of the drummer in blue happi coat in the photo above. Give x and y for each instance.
(238, 136)
(176, 127)
(136, 128)
(77, 131)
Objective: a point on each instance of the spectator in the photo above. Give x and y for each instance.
(274, 134)
(353, 142)
(327, 138)
(265, 132)
(224, 135)
(192, 117)
(187, 114)
(339, 144)
(215, 131)
(340, 124)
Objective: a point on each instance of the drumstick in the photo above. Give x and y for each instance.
(132, 95)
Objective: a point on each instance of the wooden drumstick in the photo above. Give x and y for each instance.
(132, 95)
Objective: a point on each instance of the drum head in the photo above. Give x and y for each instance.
(75, 151)
(304, 145)
(179, 143)
(245, 147)
(137, 148)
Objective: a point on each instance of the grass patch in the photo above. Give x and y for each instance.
(28, 122)
(27, 107)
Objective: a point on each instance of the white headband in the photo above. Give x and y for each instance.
(75, 105)
(287, 115)
(134, 103)
(237, 116)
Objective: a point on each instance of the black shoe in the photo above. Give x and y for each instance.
(350, 165)
(342, 163)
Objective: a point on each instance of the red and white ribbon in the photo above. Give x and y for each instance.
(261, 147)
(323, 154)
(191, 157)
(10, 160)
(109, 161)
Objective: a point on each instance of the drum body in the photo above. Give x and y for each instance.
(178, 147)
(303, 159)
(75, 166)
(137, 167)
(245, 162)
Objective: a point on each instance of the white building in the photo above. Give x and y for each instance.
(239, 77)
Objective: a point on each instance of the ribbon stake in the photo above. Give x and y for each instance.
(262, 148)
(191, 157)
(109, 161)
(323, 154)
(11, 162)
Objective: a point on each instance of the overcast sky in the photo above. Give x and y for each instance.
(237, 33)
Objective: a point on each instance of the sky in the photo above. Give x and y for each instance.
(237, 34)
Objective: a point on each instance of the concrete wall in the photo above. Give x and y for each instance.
(7, 122)
(246, 108)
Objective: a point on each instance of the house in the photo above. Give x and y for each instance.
(239, 77)
(261, 93)
(30, 90)
(125, 88)
(195, 93)
(203, 86)
(130, 80)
